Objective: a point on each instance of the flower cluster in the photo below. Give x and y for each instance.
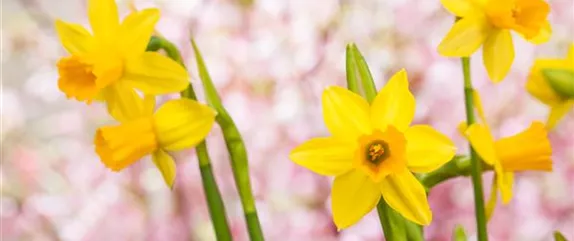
(111, 65)
(374, 154)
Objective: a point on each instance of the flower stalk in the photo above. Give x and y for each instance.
(476, 168)
(392, 228)
(210, 187)
(235, 147)
(459, 166)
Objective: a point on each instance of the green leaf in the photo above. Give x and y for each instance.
(365, 74)
(559, 237)
(351, 68)
(459, 234)
(561, 80)
(235, 147)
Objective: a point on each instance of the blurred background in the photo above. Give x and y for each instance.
(270, 60)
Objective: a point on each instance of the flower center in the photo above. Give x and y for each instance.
(381, 153)
(377, 152)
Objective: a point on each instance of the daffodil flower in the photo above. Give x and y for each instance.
(528, 150)
(372, 151)
(539, 87)
(110, 62)
(488, 23)
(176, 125)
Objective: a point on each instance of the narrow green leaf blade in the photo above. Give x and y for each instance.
(459, 234)
(365, 73)
(210, 92)
(559, 237)
(235, 147)
(351, 68)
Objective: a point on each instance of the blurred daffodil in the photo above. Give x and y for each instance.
(372, 151)
(488, 23)
(528, 150)
(548, 90)
(176, 125)
(110, 62)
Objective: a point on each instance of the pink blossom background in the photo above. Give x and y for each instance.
(270, 60)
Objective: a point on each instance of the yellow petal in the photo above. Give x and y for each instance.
(482, 142)
(75, 38)
(461, 8)
(346, 114)
(353, 196)
(543, 35)
(123, 103)
(75, 81)
(155, 74)
(462, 127)
(394, 104)
(491, 204)
(537, 85)
(557, 112)
(148, 105)
(427, 149)
(406, 195)
(182, 123)
(465, 37)
(527, 150)
(121, 145)
(326, 156)
(498, 54)
(104, 19)
(478, 105)
(136, 30)
(504, 181)
(166, 165)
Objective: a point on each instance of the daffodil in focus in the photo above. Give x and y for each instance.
(109, 63)
(488, 23)
(539, 86)
(176, 125)
(528, 150)
(372, 151)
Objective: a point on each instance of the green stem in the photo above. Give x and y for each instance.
(235, 147)
(214, 200)
(459, 166)
(414, 231)
(392, 230)
(212, 193)
(474, 160)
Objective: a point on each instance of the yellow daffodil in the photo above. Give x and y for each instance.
(539, 87)
(111, 61)
(528, 150)
(176, 125)
(372, 151)
(488, 23)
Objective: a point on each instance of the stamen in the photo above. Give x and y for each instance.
(377, 152)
